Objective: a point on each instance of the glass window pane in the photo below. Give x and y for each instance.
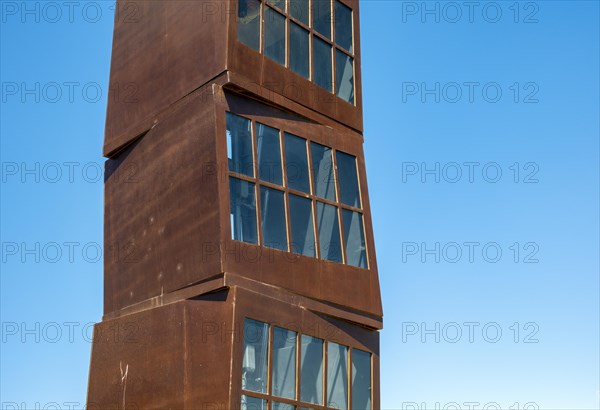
(284, 363)
(248, 23)
(272, 206)
(329, 236)
(322, 163)
(269, 154)
(252, 403)
(274, 35)
(354, 239)
(322, 64)
(343, 26)
(299, 10)
(282, 406)
(337, 376)
(242, 204)
(361, 380)
(301, 224)
(348, 180)
(322, 17)
(239, 144)
(299, 51)
(296, 163)
(311, 370)
(277, 3)
(254, 367)
(344, 76)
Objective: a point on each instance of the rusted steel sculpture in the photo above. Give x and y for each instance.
(240, 270)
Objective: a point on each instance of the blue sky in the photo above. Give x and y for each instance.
(482, 152)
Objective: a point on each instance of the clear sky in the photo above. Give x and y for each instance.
(482, 152)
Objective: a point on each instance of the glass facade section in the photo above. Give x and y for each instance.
(344, 76)
(301, 224)
(296, 162)
(242, 204)
(289, 348)
(272, 205)
(337, 376)
(348, 176)
(295, 33)
(354, 239)
(329, 232)
(323, 177)
(322, 64)
(274, 35)
(278, 3)
(248, 23)
(361, 380)
(256, 350)
(284, 363)
(309, 200)
(252, 403)
(343, 26)
(311, 374)
(322, 17)
(299, 50)
(299, 10)
(239, 145)
(269, 154)
(282, 406)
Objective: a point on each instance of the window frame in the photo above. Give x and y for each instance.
(312, 33)
(298, 404)
(283, 128)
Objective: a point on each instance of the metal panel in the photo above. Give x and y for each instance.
(161, 208)
(165, 50)
(162, 51)
(162, 358)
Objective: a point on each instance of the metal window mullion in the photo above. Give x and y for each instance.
(299, 193)
(362, 217)
(371, 378)
(243, 177)
(333, 48)
(270, 362)
(257, 184)
(325, 372)
(310, 42)
(313, 199)
(261, 16)
(298, 22)
(286, 199)
(338, 205)
(270, 399)
(351, 208)
(311, 60)
(332, 19)
(343, 50)
(286, 40)
(321, 36)
(298, 364)
(349, 370)
(272, 185)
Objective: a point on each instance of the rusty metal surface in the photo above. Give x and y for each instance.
(167, 49)
(161, 53)
(177, 288)
(161, 210)
(167, 212)
(188, 355)
(164, 358)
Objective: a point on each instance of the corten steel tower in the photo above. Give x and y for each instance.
(240, 270)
